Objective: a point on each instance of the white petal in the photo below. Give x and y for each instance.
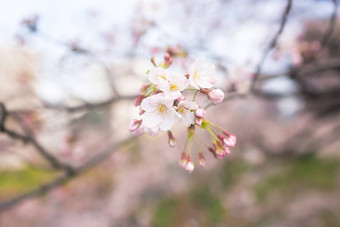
(149, 103)
(189, 105)
(157, 73)
(192, 82)
(151, 119)
(204, 84)
(169, 119)
(188, 118)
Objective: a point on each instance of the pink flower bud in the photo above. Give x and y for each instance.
(138, 100)
(212, 150)
(216, 96)
(141, 111)
(190, 167)
(183, 160)
(180, 98)
(134, 124)
(230, 141)
(201, 159)
(172, 140)
(200, 112)
(198, 121)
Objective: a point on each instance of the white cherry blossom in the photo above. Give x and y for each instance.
(173, 86)
(184, 109)
(201, 74)
(158, 75)
(159, 112)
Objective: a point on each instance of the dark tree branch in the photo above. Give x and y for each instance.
(29, 138)
(272, 44)
(101, 156)
(331, 25)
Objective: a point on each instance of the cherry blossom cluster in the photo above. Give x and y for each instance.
(169, 98)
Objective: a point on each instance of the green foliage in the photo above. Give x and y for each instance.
(231, 172)
(304, 172)
(200, 205)
(12, 182)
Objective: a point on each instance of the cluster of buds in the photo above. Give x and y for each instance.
(170, 98)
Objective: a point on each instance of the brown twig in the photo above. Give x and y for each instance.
(29, 138)
(272, 43)
(331, 25)
(101, 156)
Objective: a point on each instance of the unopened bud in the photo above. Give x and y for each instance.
(134, 124)
(216, 96)
(212, 150)
(228, 140)
(183, 160)
(200, 112)
(190, 165)
(172, 140)
(180, 98)
(201, 159)
(141, 111)
(138, 100)
(198, 121)
(168, 59)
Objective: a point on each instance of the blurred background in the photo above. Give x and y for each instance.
(69, 71)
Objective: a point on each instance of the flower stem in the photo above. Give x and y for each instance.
(193, 99)
(202, 141)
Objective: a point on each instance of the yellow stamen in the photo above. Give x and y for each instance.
(181, 109)
(161, 109)
(197, 74)
(161, 76)
(173, 87)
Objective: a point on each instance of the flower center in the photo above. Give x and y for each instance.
(197, 74)
(161, 109)
(181, 109)
(173, 87)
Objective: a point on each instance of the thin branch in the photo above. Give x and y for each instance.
(331, 25)
(89, 106)
(101, 156)
(28, 138)
(272, 43)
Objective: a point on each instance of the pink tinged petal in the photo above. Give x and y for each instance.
(212, 80)
(139, 131)
(152, 131)
(181, 98)
(200, 112)
(198, 121)
(216, 96)
(134, 124)
(230, 141)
